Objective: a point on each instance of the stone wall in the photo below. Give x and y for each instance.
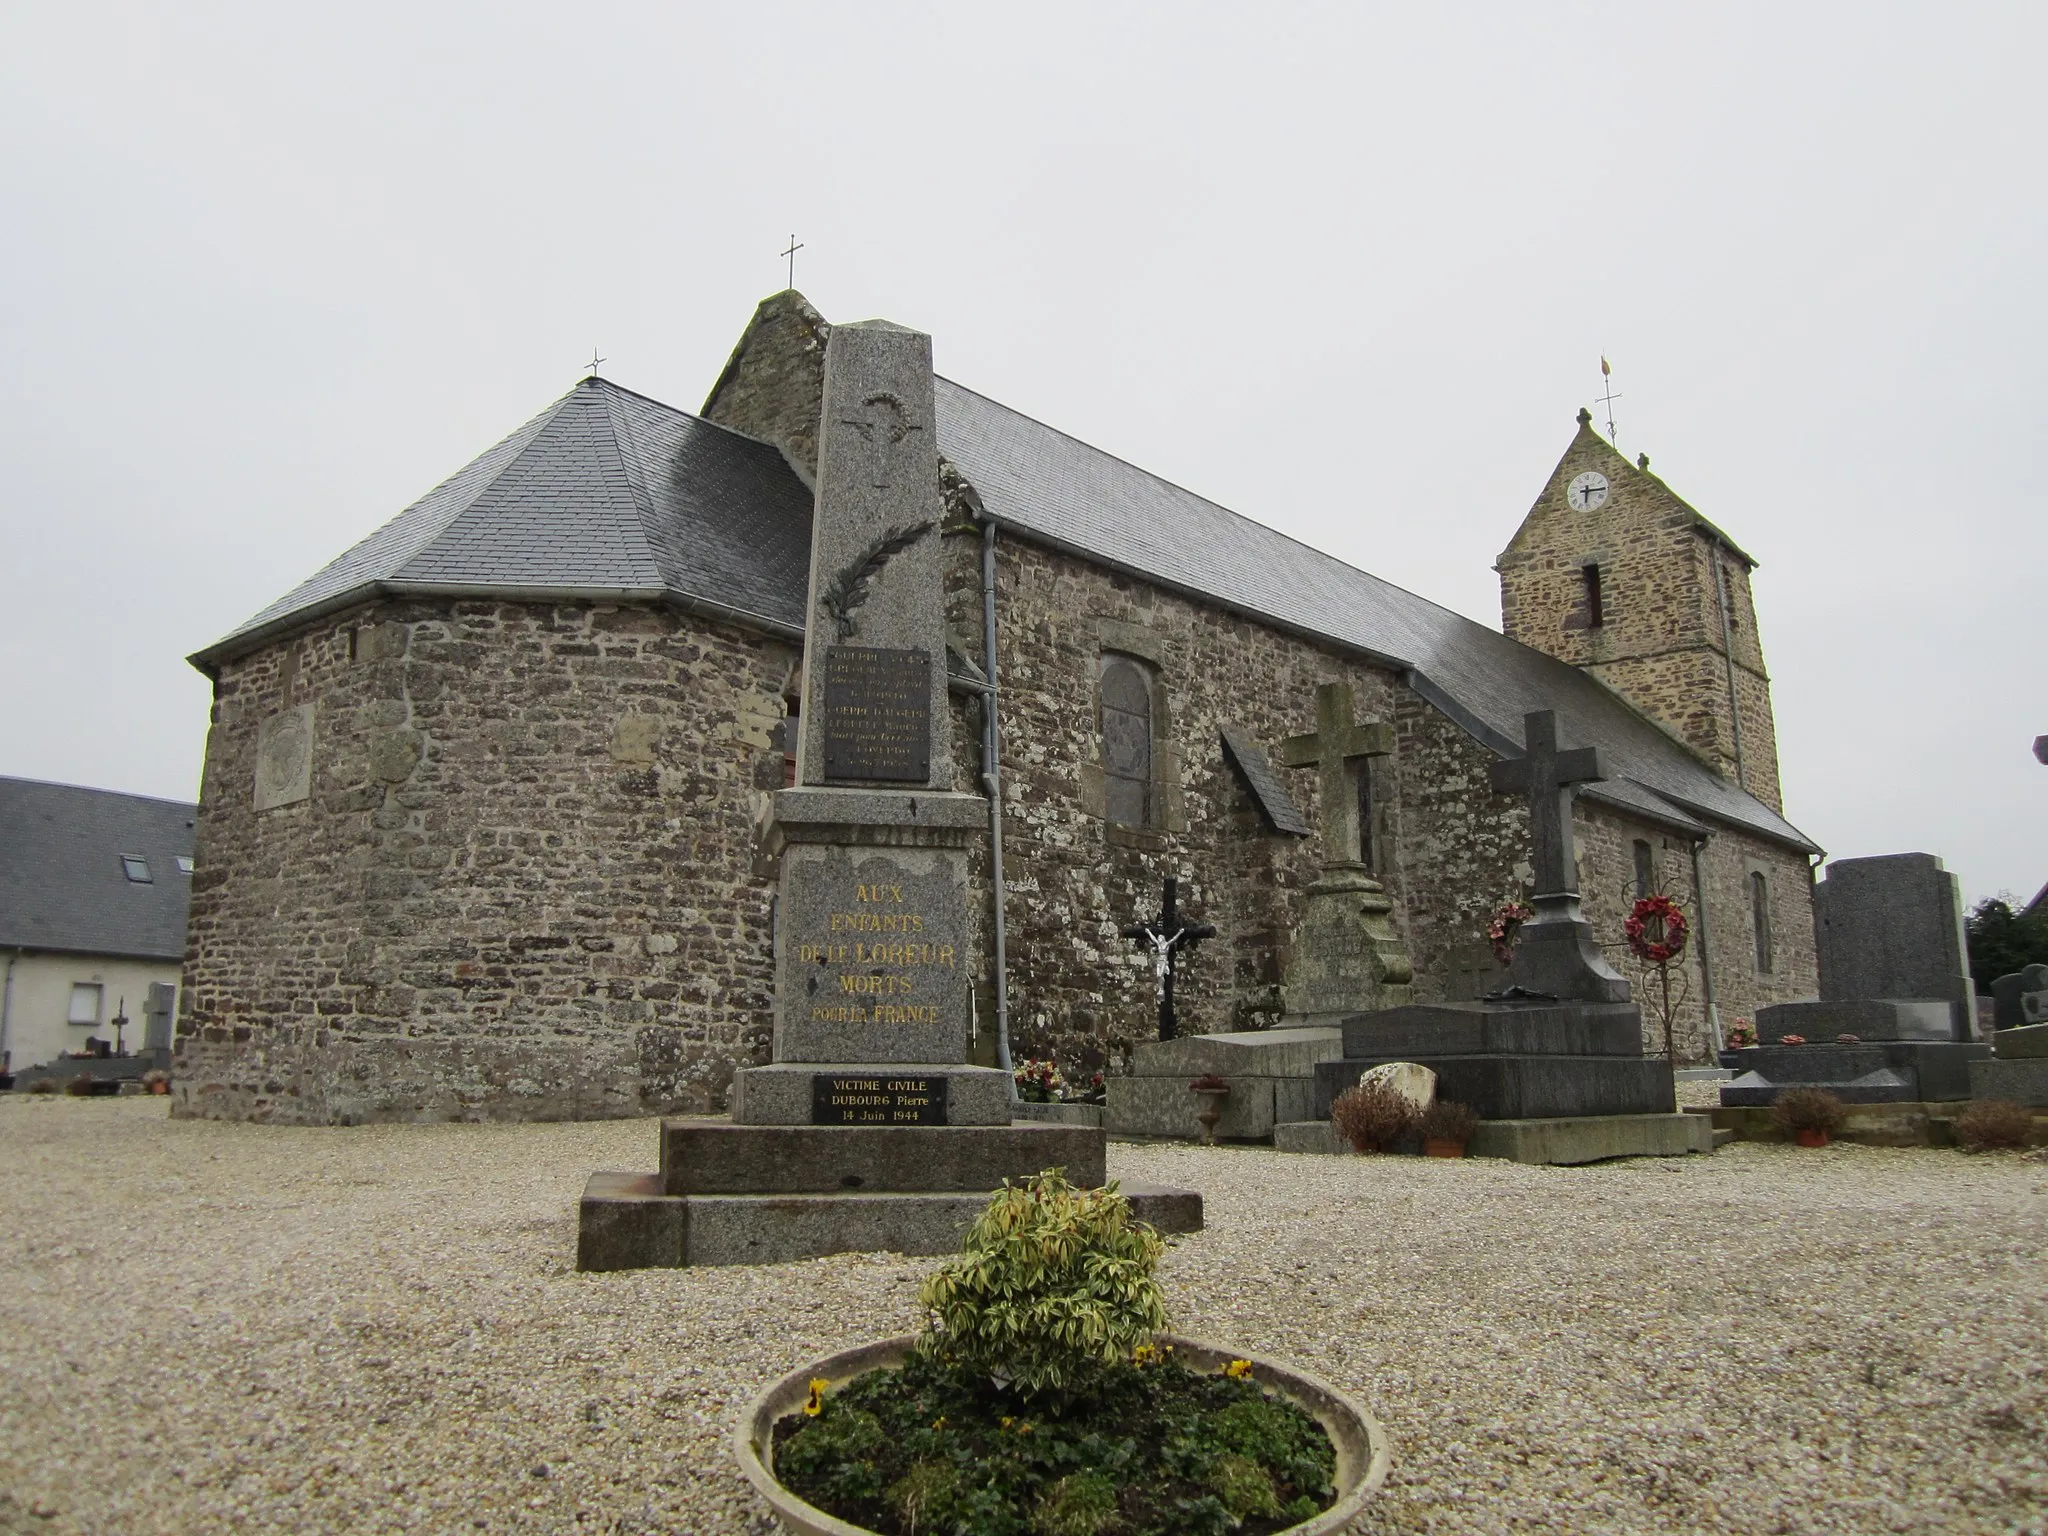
(522, 885)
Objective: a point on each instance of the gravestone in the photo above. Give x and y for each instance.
(1346, 956)
(1894, 972)
(157, 1023)
(1561, 1044)
(870, 1129)
(2020, 998)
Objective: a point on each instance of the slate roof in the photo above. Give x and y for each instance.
(610, 494)
(605, 494)
(62, 885)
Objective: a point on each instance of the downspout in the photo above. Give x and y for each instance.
(992, 785)
(7, 1008)
(1699, 897)
(1728, 655)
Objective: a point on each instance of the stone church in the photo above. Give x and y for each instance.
(480, 829)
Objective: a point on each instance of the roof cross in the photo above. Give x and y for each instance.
(795, 245)
(590, 368)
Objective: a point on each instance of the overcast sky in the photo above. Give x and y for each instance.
(271, 271)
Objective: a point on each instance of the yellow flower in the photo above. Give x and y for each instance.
(1024, 1429)
(815, 1403)
(1005, 1421)
(1145, 1354)
(939, 1422)
(1238, 1369)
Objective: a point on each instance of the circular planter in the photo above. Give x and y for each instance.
(1438, 1146)
(1812, 1138)
(1360, 1442)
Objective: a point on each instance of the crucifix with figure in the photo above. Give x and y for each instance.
(1346, 957)
(1166, 936)
(1555, 954)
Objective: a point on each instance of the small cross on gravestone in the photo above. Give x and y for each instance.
(1555, 954)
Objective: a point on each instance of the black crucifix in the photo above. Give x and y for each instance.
(1555, 954)
(1167, 935)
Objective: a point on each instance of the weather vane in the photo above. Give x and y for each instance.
(1608, 399)
(795, 245)
(590, 368)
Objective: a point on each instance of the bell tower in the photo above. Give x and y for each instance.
(1613, 572)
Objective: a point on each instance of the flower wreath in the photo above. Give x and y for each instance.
(1656, 915)
(1501, 927)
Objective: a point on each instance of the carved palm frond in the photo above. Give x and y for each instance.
(849, 589)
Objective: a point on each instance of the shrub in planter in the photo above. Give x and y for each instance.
(80, 1087)
(156, 1080)
(1994, 1125)
(1372, 1117)
(1447, 1125)
(1037, 1402)
(1810, 1115)
(43, 1085)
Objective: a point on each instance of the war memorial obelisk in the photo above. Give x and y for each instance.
(869, 1131)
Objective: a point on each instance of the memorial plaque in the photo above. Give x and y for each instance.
(878, 714)
(882, 1099)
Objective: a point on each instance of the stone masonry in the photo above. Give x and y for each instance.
(1658, 638)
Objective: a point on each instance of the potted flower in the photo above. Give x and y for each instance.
(1811, 1116)
(1039, 1081)
(1741, 1037)
(1791, 1039)
(1214, 1090)
(1503, 925)
(1042, 1396)
(1447, 1128)
(1372, 1117)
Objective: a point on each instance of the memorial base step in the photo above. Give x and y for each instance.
(627, 1222)
(717, 1157)
(1569, 1140)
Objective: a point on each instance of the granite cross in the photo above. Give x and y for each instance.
(1336, 743)
(1548, 777)
(1167, 935)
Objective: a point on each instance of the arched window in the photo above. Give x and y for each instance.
(1760, 917)
(1126, 742)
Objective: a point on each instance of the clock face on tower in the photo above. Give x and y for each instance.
(1587, 490)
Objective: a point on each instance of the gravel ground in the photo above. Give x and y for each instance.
(231, 1328)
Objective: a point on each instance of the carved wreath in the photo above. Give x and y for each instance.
(849, 589)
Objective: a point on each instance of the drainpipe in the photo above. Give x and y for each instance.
(1728, 655)
(7, 1008)
(1699, 898)
(992, 785)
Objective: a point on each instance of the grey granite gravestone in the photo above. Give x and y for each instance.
(870, 1129)
(1894, 973)
(2019, 1071)
(158, 1027)
(2020, 997)
(1346, 956)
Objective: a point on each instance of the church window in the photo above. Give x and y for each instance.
(1596, 610)
(1760, 916)
(1365, 848)
(85, 1003)
(1646, 869)
(1126, 742)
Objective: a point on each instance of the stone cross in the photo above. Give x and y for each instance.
(1555, 954)
(1548, 777)
(1336, 743)
(1167, 935)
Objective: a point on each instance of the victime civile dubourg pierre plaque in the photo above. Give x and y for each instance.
(881, 1098)
(878, 714)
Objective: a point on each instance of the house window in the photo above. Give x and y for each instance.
(1760, 917)
(136, 868)
(85, 1003)
(1596, 610)
(1646, 869)
(184, 862)
(1126, 742)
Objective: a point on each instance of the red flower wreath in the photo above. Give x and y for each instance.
(1656, 915)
